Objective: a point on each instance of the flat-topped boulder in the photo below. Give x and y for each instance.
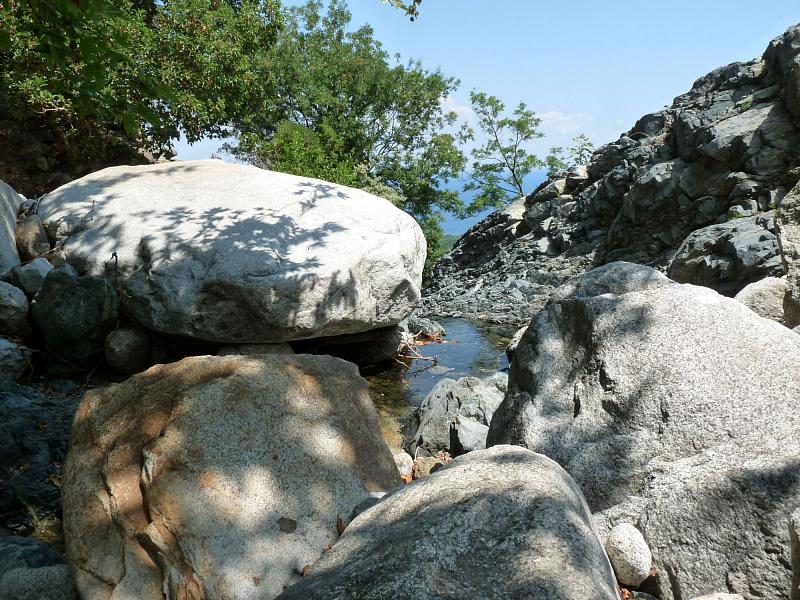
(231, 253)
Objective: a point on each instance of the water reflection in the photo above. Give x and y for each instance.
(470, 348)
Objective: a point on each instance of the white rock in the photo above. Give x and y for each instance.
(765, 297)
(629, 554)
(235, 254)
(405, 464)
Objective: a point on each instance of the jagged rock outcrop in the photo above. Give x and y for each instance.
(227, 253)
(639, 386)
(729, 148)
(218, 477)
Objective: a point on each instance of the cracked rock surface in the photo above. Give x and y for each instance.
(218, 477)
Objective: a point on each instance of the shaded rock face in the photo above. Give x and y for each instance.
(218, 477)
(787, 220)
(9, 202)
(31, 238)
(639, 386)
(727, 149)
(235, 254)
(498, 523)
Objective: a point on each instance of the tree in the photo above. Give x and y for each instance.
(501, 164)
(369, 120)
(580, 153)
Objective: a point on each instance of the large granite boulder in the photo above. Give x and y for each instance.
(231, 253)
(766, 297)
(9, 203)
(729, 256)
(499, 523)
(639, 386)
(218, 476)
(13, 311)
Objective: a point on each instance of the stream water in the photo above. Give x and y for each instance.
(469, 348)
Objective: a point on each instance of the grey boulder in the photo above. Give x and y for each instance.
(766, 298)
(15, 359)
(17, 552)
(787, 223)
(455, 416)
(629, 554)
(31, 238)
(235, 254)
(9, 202)
(45, 583)
(639, 386)
(230, 474)
(127, 349)
(498, 523)
(13, 311)
(30, 276)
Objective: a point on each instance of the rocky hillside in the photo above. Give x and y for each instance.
(688, 190)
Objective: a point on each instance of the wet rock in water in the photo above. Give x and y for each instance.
(705, 430)
(17, 552)
(75, 314)
(34, 433)
(729, 256)
(224, 473)
(127, 349)
(30, 276)
(250, 349)
(13, 311)
(237, 254)
(418, 325)
(766, 298)
(44, 583)
(15, 359)
(499, 523)
(455, 416)
(31, 238)
(9, 202)
(629, 554)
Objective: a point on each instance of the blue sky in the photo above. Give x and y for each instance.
(584, 66)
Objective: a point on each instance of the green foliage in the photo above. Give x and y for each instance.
(580, 153)
(501, 164)
(379, 123)
(447, 242)
(144, 68)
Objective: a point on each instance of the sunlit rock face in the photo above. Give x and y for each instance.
(231, 253)
(218, 477)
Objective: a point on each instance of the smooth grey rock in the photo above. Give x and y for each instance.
(15, 359)
(629, 555)
(9, 202)
(499, 523)
(250, 349)
(31, 276)
(405, 464)
(765, 298)
(704, 429)
(45, 583)
(127, 349)
(418, 325)
(471, 434)
(448, 408)
(31, 238)
(17, 552)
(13, 311)
(75, 314)
(234, 254)
(729, 256)
(235, 468)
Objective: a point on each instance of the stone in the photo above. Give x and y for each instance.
(218, 473)
(31, 238)
(729, 256)
(236, 254)
(448, 408)
(787, 225)
(405, 464)
(17, 552)
(15, 359)
(127, 349)
(629, 555)
(13, 311)
(34, 433)
(75, 314)
(367, 349)
(30, 276)
(765, 298)
(704, 430)
(719, 596)
(499, 523)
(418, 325)
(512, 345)
(9, 202)
(425, 465)
(576, 176)
(44, 583)
(250, 349)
